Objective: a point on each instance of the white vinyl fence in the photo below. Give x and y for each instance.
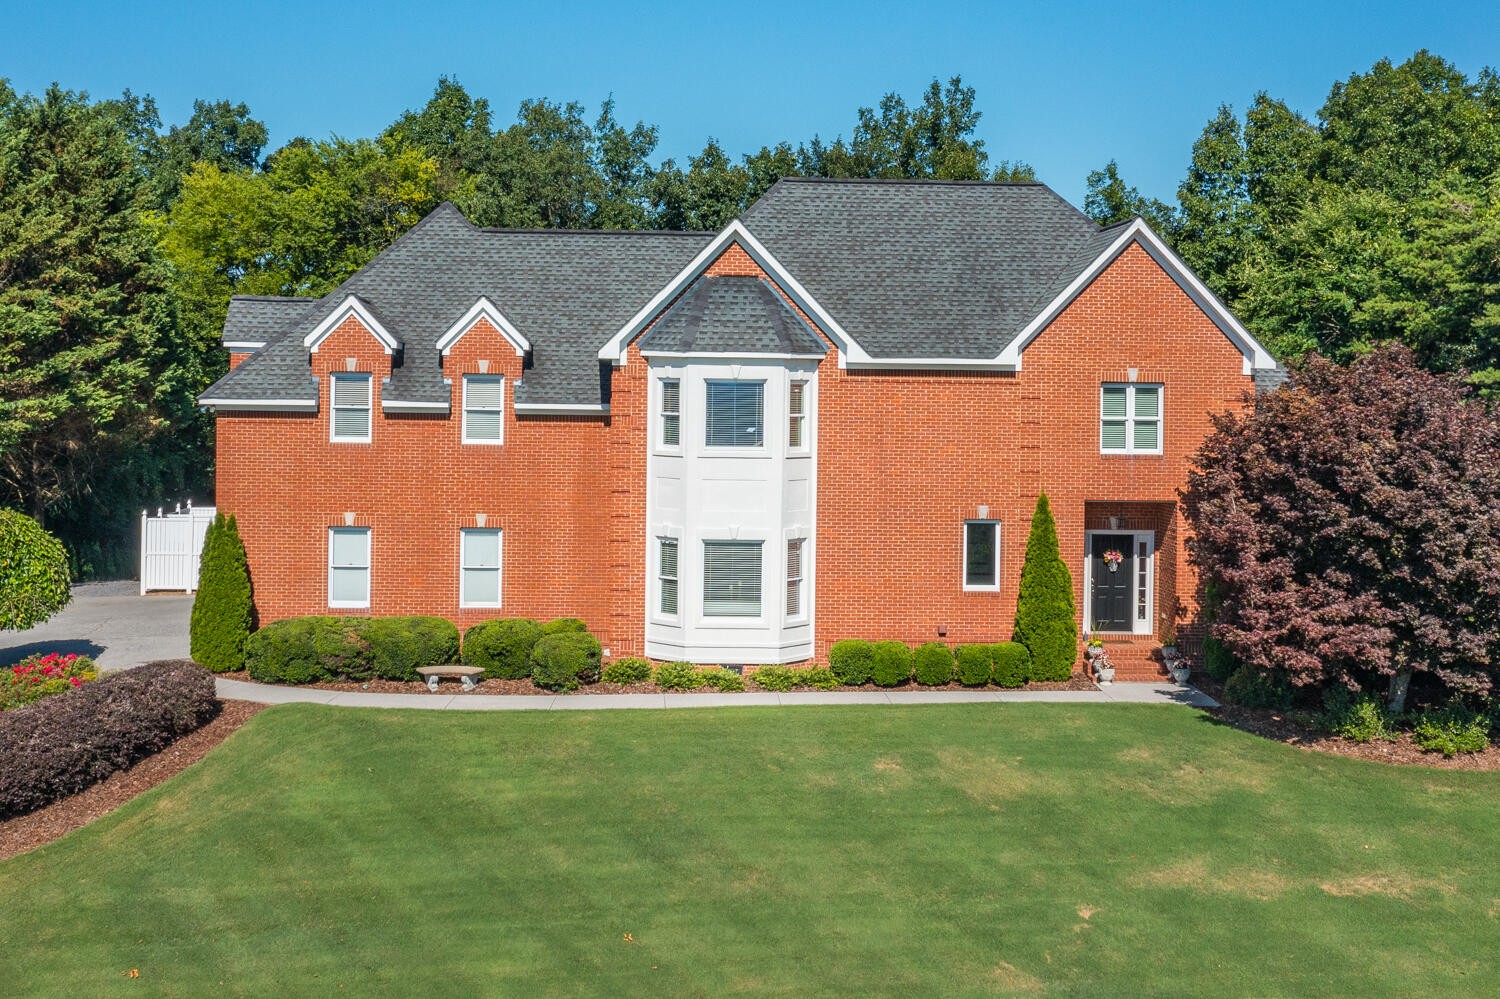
(170, 546)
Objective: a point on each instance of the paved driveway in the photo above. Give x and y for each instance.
(111, 622)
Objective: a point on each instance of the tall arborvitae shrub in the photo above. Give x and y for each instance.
(222, 609)
(1044, 604)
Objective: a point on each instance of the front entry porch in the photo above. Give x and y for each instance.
(1129, 582)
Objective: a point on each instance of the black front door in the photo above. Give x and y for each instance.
(1112, 577)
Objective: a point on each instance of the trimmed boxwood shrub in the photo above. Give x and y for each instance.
(677, 676)
(64, 744)
(34, 576)
(398, 645)
(565, 660)
(778, 679)
(851, 661)
(817, 677)
(1250, 688)
(308, 649)
(891, 665)
(723, 680)
(221, 619)
(502, 647)
(1010, 663)
(563, 625)
(627, 671)
(974, 664)
(933, 664)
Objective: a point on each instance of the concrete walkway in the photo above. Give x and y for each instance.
(1117, 693)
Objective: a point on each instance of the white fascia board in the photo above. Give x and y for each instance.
(242, 345)
(1256, 356)
(562, 408)
(934, 363)
(350, 306)
(722, 355)
(284, 405)
(735, 232)
(484, 309)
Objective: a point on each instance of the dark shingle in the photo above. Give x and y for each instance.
(743, 315)
(261, 318)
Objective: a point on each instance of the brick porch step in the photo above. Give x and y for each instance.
(1135, 658)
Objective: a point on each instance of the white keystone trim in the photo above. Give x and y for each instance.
(350, 306)
(735, 232)
(562, 409)
(484, 309)
(1256, 356)
(288, 405)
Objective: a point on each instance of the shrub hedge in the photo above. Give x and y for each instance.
(777, 679)
(221, 619)
(1010, 663)
(309, 649)
(627, 671)
(62, 745)
(891, 664)
(565, 660)
(723, 680)
(677, 676)
(818, 678)
(502, 647)
(1452, 729)
(975, 664)
(564, 625)
(1218, 662)
(1250, 688)
(398, 645)
(933, 664)
(851, 661)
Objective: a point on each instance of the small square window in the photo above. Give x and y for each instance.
(1130, 418)
(981, 555)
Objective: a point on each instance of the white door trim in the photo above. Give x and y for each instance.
(1141, 627)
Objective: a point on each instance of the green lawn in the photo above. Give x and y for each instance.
(965, 849)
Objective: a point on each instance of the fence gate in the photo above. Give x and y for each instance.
(170, 546)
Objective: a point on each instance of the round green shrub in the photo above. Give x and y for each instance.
(222, 607)
(1250, 688)
(777, 679)
(891, 665)
(565, 660)
(309, 649)
(723, 680)
(34, 576)
(502, 647)
(677, 676)
(1011, 663)
(1452, 729)
(627, 671)
(563, 625)
(851, 661)
(816, 677)
(1218, 661)
(398, 645)
(974, 664)
(933, 664)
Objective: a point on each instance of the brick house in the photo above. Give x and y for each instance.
(830, 420)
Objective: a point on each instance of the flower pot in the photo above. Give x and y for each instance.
(1092, 652)
(1105, 674)
(1179, 674)
(1169, 652)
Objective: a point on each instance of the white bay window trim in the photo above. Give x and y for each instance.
(484, 409)
(670, 409)
(349, 567)
(668, 602)
(796, 572)
(479, 567)
(1130, 417)
(350, 420)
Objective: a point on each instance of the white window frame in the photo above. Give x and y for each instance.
(465, 438)
(800, 613)
(662, 413)
(656, 608)
(368, 407)
(798, 419)
(1130, 418)
(728, 620)
(1138, 538)
(499, 566)
(368, 566)
(763, 447)
(963, 567)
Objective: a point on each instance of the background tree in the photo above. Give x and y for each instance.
(34, 575)
(1349, 528)
(223, 607)
(1109, 201)
(1045, 621)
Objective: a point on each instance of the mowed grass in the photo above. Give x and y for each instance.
(964, 849)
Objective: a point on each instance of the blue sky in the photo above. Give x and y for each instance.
(1064, 87)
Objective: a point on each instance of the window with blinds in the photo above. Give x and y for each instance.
(794, 578)
(731, 578)
(351, 407)
(981, 555)
(479, 567)
(736, 414)
(671, 413)
(796, 431)
(666, 575)
(1130, 417)
(348, 567)
(484, 409)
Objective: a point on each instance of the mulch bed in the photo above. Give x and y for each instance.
(1284, 727)
(448, 687)
(27, 832)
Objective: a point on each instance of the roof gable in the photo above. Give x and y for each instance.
(732, 315)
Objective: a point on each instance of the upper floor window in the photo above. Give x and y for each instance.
(351, 407)
(484, 409)
(479, 567)
(796, 431)
(736, 414)
(981, 555)
(671, 412)
(348, 567)
(1130, 419)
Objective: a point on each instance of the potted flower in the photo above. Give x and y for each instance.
(1179, 668)
(1104, 670)
(1112, 559)
(1169, 644)
(1093, 648)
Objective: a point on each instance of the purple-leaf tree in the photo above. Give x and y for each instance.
(1349, 529)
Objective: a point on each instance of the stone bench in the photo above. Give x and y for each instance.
(432, 674)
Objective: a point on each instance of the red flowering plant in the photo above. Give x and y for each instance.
(38, 676)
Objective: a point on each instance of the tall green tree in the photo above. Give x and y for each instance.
(223, 607)
(219, 132)
(1216, 223)
(1109, 201)
(1045, 621)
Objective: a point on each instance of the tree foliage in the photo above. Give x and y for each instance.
(1110, 201)
(34, 576)
(1349, 528)
(223, 607)
(1045, 621)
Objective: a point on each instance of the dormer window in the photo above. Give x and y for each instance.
(484, 409)
(351, 408)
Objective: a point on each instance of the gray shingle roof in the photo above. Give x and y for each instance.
(1270, 379)
(743, 315)
(926, 269)
(261, 318)
(566, 291)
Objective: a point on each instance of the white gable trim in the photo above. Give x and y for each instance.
(350, 306)
(484, 309)
(1255, 355)
(734, 232)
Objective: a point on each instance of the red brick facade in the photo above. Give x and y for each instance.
(904, 457)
